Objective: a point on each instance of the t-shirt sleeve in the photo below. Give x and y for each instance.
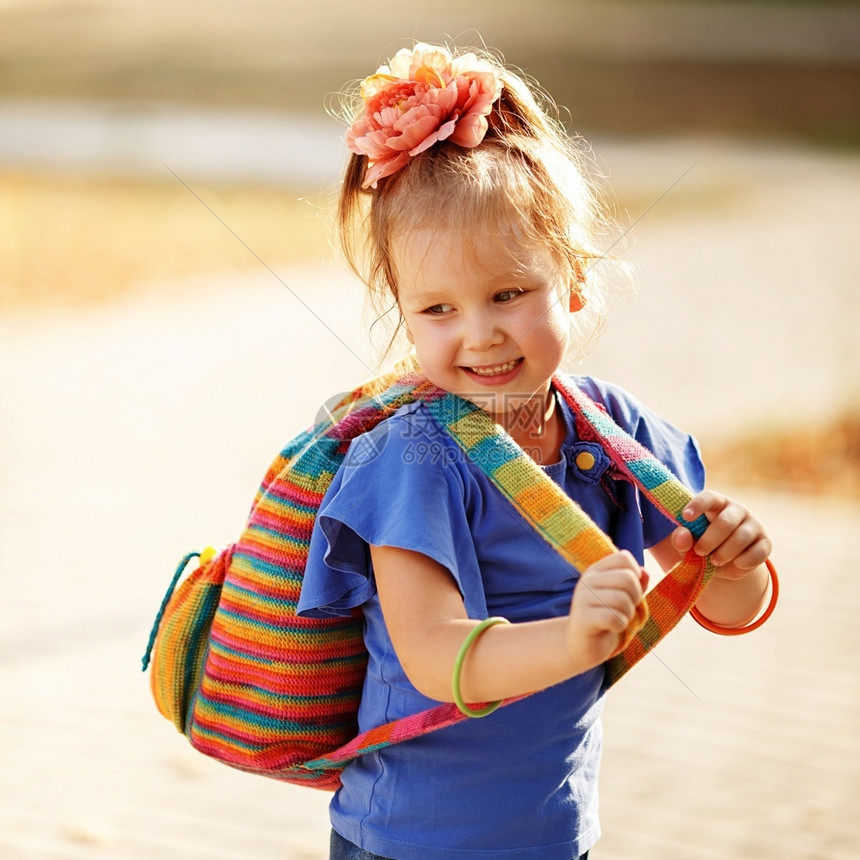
(677, 450)
(396, 487)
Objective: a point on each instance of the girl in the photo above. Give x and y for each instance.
(467, 207)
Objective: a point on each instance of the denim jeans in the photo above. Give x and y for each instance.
(343, 849)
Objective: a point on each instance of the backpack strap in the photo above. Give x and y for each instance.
(566, 528)
(676, 594)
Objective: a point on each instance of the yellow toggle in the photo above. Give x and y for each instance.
(207, 555)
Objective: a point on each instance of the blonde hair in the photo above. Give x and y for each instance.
(527, 174)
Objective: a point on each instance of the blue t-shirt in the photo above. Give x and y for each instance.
(523, 781)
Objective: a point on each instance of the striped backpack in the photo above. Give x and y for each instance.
(253, 685)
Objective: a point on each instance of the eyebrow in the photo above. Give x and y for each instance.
(427, 297)
(493, 284)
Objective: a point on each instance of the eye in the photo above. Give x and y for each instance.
(506, 296)
(437, 310)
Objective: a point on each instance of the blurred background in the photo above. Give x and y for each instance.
(172, 311)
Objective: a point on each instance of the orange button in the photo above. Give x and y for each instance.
(585, 460)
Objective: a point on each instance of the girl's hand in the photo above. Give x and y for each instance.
(735, 539)
(604, 604)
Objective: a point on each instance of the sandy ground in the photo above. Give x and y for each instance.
(131, 433)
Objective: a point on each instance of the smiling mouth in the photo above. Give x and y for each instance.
(496, 369)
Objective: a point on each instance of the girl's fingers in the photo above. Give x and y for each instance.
(613, 587)
(723, 527)
(737, 542)
(733, 536)
(614, 612)
(617, 571)
(707, 502)
(683, 540)
(624, 597)
(753, 556)
(727, 540)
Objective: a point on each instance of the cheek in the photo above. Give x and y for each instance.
(430, 342)
(559, 322)
(554, 324)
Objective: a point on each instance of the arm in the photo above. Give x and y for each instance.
(738, 545)
(427, 622)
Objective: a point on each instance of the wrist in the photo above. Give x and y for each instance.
(735, 598)
(586, 650)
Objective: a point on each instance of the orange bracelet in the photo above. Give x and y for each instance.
(753, 625)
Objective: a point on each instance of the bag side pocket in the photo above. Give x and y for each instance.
(182, 638)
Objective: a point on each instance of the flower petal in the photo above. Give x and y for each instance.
(415, 133)
(378, 170)
(375, 84)
(470, 131)
(430, 57)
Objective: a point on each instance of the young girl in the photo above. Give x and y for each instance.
(467, 207)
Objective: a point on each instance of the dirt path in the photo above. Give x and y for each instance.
(131, 433)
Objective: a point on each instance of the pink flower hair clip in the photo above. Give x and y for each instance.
(423, 96)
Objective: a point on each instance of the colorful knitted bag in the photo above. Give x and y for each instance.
(257, 687)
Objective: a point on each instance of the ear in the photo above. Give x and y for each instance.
(577, 298)
(577, 301)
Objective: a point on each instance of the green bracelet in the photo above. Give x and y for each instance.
(474, 633)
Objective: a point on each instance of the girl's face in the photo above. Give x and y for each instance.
(488, 318)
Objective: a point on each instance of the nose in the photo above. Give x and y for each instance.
(480, 332)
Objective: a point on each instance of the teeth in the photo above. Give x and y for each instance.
(495, 369)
